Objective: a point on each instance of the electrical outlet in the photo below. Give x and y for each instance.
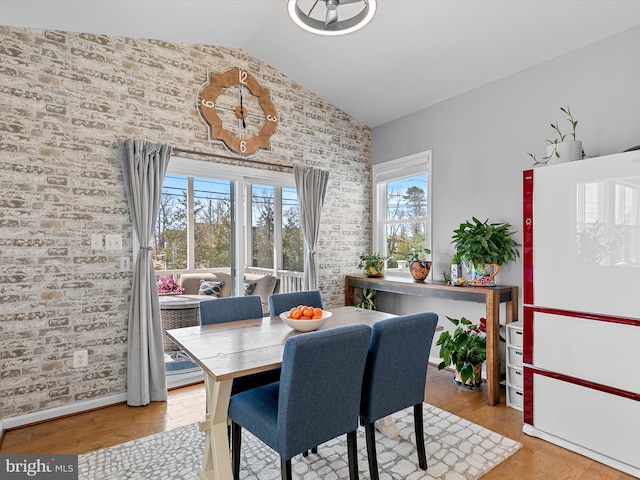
(96, 242)
(113, 242)
(124, 264)
(80, 358)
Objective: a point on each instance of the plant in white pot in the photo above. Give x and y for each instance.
(561, 149)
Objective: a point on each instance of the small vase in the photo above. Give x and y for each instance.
(567, 152)
(419, 269)
(376, 270)
(470, 384)
(482, 275)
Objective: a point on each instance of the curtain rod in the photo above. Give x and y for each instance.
(229, 157)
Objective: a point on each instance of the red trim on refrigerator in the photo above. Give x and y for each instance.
(529, 310)
(583, 383)
(527, 236)
(527, 407)
(527, 330)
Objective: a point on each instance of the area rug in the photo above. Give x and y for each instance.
(456, 450)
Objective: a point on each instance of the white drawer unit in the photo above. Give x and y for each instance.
(515, 384)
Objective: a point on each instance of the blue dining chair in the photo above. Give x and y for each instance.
(316, 400)
(283, 302)
(395, 376)
(230, 309)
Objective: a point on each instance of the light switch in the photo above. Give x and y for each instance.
(113, 242)
(96, 242)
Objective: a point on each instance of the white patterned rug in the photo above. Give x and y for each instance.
(456, 449)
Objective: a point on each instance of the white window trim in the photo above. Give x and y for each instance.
(390, 170)
(239, 176)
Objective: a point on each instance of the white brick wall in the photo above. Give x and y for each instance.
(65, 99)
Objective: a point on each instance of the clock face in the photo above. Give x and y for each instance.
(238, 111)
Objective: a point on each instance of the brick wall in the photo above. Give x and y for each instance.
(65, 99)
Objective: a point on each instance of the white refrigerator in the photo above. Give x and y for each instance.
(581, 314)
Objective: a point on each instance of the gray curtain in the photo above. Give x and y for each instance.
(143, 166)
(311, 186)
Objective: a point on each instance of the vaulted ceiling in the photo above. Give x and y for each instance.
(413, 54)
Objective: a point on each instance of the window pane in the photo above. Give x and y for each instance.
(262, 218)
(170, 239)
(212, 214)
(407, 197)
(292, 240)
(402, 238)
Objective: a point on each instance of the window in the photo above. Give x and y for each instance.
(402, 208)
(202, 218)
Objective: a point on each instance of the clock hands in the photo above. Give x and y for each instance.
(243, 129)
(244, 125)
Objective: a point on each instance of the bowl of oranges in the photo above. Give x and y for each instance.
(304, 318)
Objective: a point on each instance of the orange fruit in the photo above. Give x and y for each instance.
(296, 315)
(317, 311)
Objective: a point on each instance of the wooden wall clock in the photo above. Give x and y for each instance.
(238, 111)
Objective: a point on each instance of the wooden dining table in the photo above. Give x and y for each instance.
(229, 350)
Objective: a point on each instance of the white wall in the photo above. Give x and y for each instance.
(480, 142)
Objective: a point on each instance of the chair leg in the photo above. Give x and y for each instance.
(306, 452)
(236, 435)
(285, 469)
(352, 450)
(419, 428)
(370, 434)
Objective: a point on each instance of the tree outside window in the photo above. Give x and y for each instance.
(402, 210)
(195, 221)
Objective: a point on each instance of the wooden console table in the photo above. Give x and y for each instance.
(492, 297)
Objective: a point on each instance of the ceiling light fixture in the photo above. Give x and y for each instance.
(331, 17)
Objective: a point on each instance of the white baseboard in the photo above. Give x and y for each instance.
(63, 411)
(9, 423)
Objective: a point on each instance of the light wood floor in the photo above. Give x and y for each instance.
(89, 431)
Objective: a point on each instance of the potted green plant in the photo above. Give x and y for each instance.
(367, 302)
(560, 149)
(419, 266)
(483, 247)
(373, 264)
(456, 270)
(466, 350)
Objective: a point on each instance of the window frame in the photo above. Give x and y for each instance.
(388, 171)
(241, 178)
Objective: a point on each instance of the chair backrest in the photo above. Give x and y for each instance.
(282, 302)
(397, 361)
(228, 309)
(320, 385)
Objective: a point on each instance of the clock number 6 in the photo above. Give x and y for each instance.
(243, 146)
(208, 103)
